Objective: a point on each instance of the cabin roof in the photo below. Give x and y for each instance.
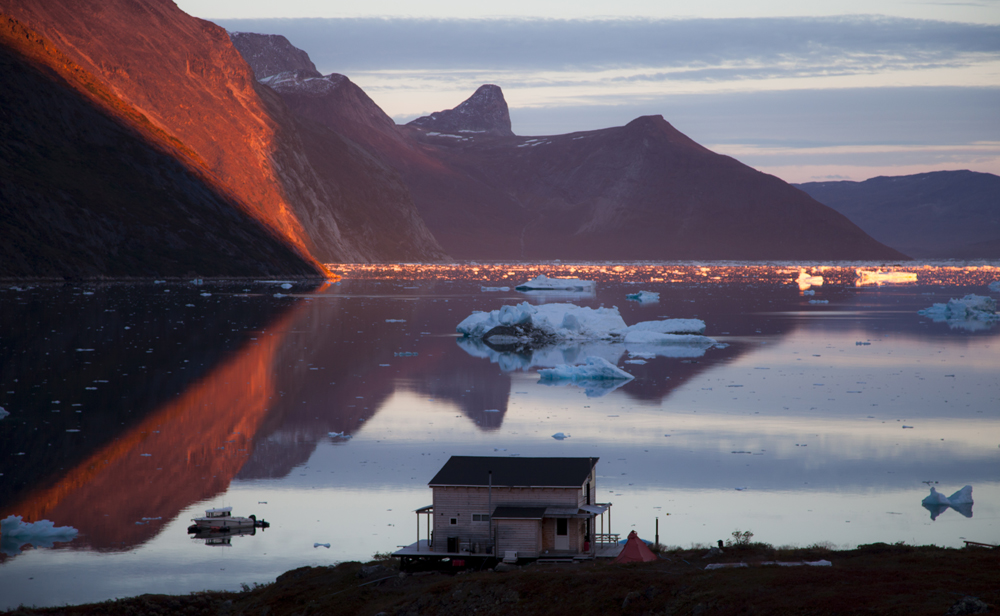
(514, 472)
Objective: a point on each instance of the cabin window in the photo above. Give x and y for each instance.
(480, 517)
(562, 526)
(454, 521)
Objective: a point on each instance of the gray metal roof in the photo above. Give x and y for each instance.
(514, 472)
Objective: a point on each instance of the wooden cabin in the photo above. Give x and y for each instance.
(514, 507)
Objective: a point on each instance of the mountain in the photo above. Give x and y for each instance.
(943, 214)
(176, 86)
(484, 112)
(641, 191)
(270, 54)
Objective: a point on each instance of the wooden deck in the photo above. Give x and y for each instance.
(422, 549)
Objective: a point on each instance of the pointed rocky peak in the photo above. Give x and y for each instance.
(270, 54)
(484, 112)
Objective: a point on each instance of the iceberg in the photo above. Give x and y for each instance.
(995, 286)
(970, 312)
(544, 283)
(937, 503)
(15, 533)
(644, 297)
(548, 322)
(878, 277)
(806, 280)
(595, 369)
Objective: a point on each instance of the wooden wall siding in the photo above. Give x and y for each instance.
(522, 536)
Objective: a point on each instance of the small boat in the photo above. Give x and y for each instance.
(222, 520)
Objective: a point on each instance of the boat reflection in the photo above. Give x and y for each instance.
(219, 538)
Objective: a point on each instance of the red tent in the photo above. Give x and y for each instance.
(635, 551)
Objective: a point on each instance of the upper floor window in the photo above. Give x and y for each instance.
(480, 517)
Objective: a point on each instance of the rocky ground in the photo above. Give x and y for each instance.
(873, 579)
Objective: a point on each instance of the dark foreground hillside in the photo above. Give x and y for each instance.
(874, 579)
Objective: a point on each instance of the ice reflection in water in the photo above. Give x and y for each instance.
(794, 409)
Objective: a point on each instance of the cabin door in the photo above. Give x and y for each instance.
(562, 534)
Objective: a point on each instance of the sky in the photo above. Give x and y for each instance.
(806, 91)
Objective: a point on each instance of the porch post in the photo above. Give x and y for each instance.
(418, 531)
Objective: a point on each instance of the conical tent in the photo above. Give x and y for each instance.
(635, 551)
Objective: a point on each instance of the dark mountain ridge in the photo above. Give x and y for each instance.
(177, 84)
(637, 192)
(942, 214)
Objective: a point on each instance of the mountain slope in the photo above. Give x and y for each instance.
(944, 214)
(642, 191)
(84, 195)
(180, 84)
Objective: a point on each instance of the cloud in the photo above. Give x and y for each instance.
(348, 45)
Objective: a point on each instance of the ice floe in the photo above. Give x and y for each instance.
(544, 283)
(14, 533)
(995, 286)
(525, 336)
(644, 297)
(595, 369)
(937, 503)
(970, 312)
(559, 436)
(878, 277)
(806, 280)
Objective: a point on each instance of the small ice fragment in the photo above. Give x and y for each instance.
(544, 283)
(740, 489)
(644, 297)
(197, 282)
(325, 545)
(499, 449)
(146, 455)
(279, 294)
(819, 301)
(494, 289)
(395, 320)
(560, 436)
(904, 427)
(995, 286)
(286, 285)
(206, 294)
(3, 412)
(491, 410)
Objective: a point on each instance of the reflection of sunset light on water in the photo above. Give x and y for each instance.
(849, 274)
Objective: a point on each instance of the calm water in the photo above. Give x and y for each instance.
(134, 407)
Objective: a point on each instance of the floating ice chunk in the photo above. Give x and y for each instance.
(286, 285)
(494, 289)
(3, 412)
(325, 545)
(205, 294)
(14, 533)
(544, 283)
(725, 566)
(819, 301)
(740, 489)
(596, 368)
(635, 361)
(935, 498)
(969, 308)
(878, 277)
(650, 337)
(342, 435)
(644, 297)
(197, 282)
(995, 286)
(491, 410)
(670, 326)
(962, 497)
(555, 321)
(559, 436)
(395, 320)
(806, 280)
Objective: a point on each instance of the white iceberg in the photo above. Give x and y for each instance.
(595, 369)
(556, 321)
(670, 326)
(971, 308)
(878, 277)
(544, 283)
(806, 280)
(937, 503)
(15, 533)
(644, 297)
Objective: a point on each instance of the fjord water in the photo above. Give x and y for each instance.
(134, 407)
